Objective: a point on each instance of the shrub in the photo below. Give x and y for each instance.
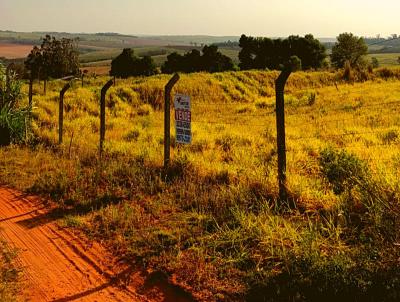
(390, 137)
(9, 273)
(341, 169)
(348, 73)
(225, 142)
(13, 119)
(385, 73)
(144, 110)
(263, 104)
(311, 98)
(374, 62)
(127, 64)
(132, 135)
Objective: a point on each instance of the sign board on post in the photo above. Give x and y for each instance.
(183, 119)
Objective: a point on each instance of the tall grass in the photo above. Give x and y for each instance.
(14, 119)
(212, 221)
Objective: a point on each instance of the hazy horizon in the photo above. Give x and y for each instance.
(212, 17)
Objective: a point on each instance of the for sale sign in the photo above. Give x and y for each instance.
(183, 119)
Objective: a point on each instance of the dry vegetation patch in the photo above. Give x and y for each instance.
(9, 273)
(212, 221)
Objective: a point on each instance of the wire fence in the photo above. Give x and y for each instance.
(364, 133)
(358, 127)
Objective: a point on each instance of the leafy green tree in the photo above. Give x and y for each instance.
(34, 62)
(127, 65)
(265, 53)
(210, 60)
(214, 61)
(145, 66)
(173, 64)
(60, 57)
(55, 58)
(349, 48)
(122, 65)
(192, 61)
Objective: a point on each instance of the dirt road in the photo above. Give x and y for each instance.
(60, 265)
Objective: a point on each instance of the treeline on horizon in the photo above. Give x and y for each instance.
(256, 53)
(58, 58)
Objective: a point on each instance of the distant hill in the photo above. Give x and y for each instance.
(107, 40)
(382, 45)
(98, 49)
(193, 39)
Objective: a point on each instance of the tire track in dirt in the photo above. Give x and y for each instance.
(58, 265)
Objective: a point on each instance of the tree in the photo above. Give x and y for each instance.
(192, 61)
(398, 60)
(214, 61)
(122, 65)
(60, 57)
(265, 53)
(145, 66)
(210, 60)
(55, 59)
(34, 62)
(349, 48)
(375, 62)
(127, 65)
(173, 64)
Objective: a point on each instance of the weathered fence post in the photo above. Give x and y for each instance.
(167, 119)
(103, 114)
(280, 83)
(84, 74)
(61, 113)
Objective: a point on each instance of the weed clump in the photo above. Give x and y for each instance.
(343, 170)
(14, 119)
(390, 137)
(9, 273)
(132, 135)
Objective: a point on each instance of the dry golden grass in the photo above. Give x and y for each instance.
(212, 220)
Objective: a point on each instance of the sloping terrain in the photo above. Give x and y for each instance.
(62, 266)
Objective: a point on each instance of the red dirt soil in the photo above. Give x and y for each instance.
(14, 51)
(61, 265)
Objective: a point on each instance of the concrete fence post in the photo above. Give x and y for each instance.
(167, 119)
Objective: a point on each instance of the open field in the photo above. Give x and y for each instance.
(387, 59)
(98, 39)
(213, 221)
(103, 47)
(112, 53)
(14, 51)
(100, 70)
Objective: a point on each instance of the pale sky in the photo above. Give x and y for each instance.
(207, 17)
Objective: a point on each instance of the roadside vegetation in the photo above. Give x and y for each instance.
(212, 221)
(9, 274)
(14, 118)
